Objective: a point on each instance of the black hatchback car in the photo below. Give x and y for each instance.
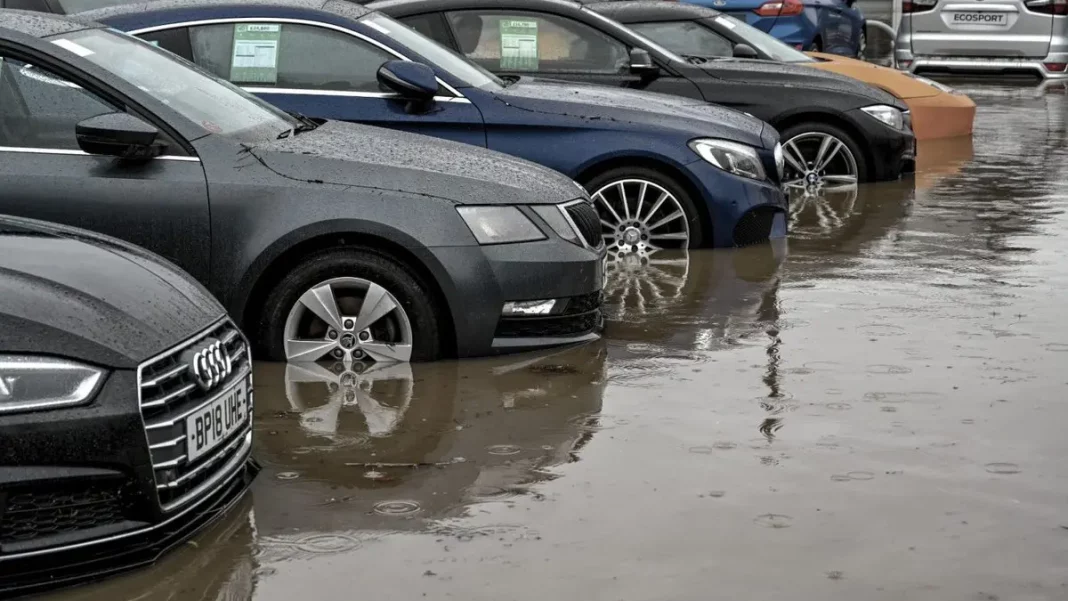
(835, 130)
(125, 406)
(324, 240)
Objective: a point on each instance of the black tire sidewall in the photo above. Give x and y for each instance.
(367, 264)
(694, 218)
(825, 128)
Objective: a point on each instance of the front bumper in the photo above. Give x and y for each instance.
(479, 280)
(743, 211)
(892, 152)
(78, 490)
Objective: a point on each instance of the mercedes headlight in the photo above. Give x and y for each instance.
(887, 114)
(30, 382)
(780, 160)
(499, 225)
(731, 157)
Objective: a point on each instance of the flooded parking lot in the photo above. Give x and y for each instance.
(872, 413)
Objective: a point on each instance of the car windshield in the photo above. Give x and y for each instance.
(647, 43)
(216, 105)
(461, 68)
(763, 43)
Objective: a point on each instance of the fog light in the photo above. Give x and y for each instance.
(1056, 67)
(534, 307)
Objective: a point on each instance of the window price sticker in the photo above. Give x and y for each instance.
(255, 58)
(519, 45)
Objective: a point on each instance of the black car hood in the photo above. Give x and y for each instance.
(594, 102)
(788, 75)
(373, 157)
(71, 293)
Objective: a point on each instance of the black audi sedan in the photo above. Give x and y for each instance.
(835, 130)
(324, 240)
(125, 406)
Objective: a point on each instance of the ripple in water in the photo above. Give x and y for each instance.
(287, 475)
(503, 449)
(1002, 468)
(396, 507)
(774, 520)
(839, 406)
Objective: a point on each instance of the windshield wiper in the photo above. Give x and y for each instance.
(306, 124)
(509, 79)
(694, 59)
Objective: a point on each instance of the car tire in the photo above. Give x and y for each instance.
(817, 128)
(366, 265)
(604, 188)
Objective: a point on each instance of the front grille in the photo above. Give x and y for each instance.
(54, 509)
(755, 226)
(169, 394)
(581, 315)
(587, 221)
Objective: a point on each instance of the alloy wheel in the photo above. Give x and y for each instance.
(818, 163)
(640, 216)
(348, 319)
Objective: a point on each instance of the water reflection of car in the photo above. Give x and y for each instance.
(112, 361)
(347, 451)
(322, 239)
(937, 110)
(701, 300)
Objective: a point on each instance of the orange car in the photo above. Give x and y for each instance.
(937, 110)
(697, 31)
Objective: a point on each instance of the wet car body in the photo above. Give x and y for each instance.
(937, 110)
(82, 492)
(1006, 37)
(752, 86)
(279, 199)
(833, 26)
(582, 131)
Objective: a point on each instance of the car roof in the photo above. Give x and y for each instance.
(40, 25)
(347, 9)
(404, 7)
(646, 11)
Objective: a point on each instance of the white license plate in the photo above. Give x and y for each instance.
(210, 425)
(979, 18)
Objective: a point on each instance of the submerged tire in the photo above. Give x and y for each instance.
(646, 210)
(814, 131)
(356, 304)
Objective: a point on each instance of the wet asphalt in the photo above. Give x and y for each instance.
(875, 412)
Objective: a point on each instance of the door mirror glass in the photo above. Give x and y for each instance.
(120, 135)
(745, 51)
(641, 63)
(413, 81)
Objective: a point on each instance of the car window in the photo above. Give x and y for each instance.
(764, 43)
(285, 55)
(520, 41)
(40, 110)
(686, 38)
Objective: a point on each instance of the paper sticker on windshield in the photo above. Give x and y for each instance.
(75, 48)
(255, 57)
(519, 45)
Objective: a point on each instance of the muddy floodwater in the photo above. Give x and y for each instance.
(876, 412)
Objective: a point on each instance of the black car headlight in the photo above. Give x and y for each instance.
(499, 224)
(731, 157)
(888, 115)
(29, 383)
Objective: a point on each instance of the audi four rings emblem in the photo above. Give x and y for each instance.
(209, 364)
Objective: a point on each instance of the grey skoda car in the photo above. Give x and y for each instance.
(324, 240)
(1002, 37)
(125, 406)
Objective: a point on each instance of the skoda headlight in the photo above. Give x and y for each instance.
(499, 225)
(30, 382)
(887, 114)
(731, 157)
(555, 216)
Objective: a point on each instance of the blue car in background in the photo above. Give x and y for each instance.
(664, 171)
(834, 26)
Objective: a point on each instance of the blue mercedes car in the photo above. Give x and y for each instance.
(665, 171)
(833, 26)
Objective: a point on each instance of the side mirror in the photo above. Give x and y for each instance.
(641, 63)
(413, 81)
(745, 51)
(119, 135)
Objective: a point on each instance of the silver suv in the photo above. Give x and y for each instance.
(984, 36)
